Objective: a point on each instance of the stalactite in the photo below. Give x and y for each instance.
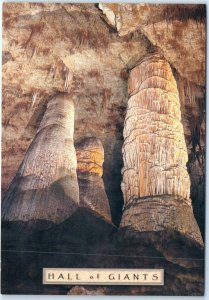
(90, 157)
(155, 154)
(34, 99)
(45, 187)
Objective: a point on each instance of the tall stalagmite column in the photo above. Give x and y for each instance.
(156, 184)
(90, 156)
(45, 187)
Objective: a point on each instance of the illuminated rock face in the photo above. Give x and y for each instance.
(45, 187)
(156, 184)
(90, 158)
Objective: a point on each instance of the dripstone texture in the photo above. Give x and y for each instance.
(44, 49)
(174, 29)
(45, 187)
(90, 157)
(87, 51)
(155, 154)
(51, 48)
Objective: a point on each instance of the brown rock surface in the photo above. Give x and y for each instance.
(45, 47)
(45, 187)
(155, 154)
(90, 158)
(192, 103)
(70, 40)
(161, 213)
(178, 30)
(81, 290)
(61, 45)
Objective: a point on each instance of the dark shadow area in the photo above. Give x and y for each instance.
(112, 181)
(86, 241)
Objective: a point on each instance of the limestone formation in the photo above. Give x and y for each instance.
(90, 158)
(156, 184)
(42, 41)
(174, 29)
(45, 187)
(44, 46)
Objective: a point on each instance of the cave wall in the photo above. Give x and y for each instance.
(44, 49)
(88, 51)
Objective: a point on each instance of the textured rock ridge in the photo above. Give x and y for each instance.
(154, 150)
(155, 154)
(90, 158)
(46, 187)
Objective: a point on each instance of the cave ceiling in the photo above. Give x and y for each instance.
(88, 50)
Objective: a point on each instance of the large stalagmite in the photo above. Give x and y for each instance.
(45, 187)
(90, 157)
(156, 184)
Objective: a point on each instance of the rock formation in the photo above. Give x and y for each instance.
(174, 29)
(45, 45)
(156, 184)
(45, 187)
(90, 158)
(32, 35)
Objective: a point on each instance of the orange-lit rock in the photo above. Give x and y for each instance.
(90, 157)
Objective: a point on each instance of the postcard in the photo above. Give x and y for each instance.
(103, 148)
